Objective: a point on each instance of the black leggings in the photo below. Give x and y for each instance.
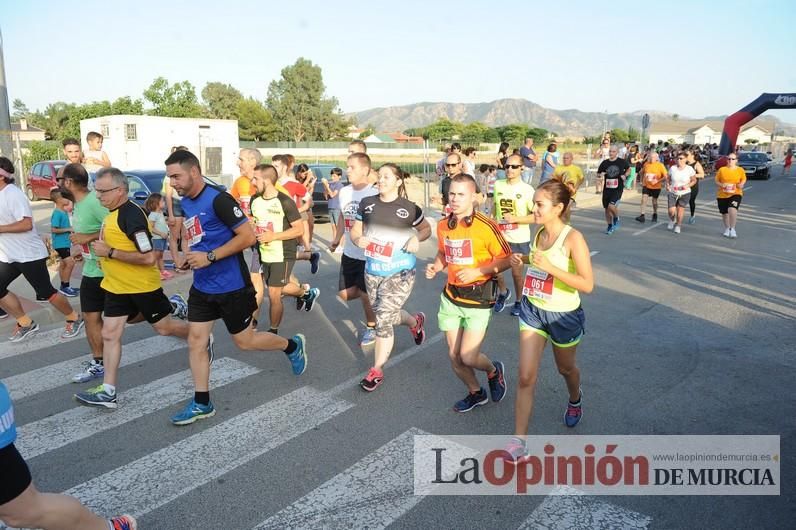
(16, 475)
(694, 193)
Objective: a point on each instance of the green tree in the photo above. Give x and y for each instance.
(619, 136)
(177, 100)
(298, 103)
(474, 132)
(38, 151)
(221, 100)
(126, 105)
(538, 134)
(20, 109)
(514, 134)
(491, 136)
(254, 121)
(443, 129)
(369, 129)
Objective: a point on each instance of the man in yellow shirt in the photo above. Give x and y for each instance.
(653, 174)
(569, 174)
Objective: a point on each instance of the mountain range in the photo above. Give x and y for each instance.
(566, 122)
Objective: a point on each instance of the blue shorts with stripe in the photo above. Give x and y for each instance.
(564, 329)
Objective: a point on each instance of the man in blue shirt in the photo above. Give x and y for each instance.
(528, 160)
(218, 232)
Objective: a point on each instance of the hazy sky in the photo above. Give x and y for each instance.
(694, 58)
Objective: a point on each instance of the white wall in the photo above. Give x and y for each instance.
(156, 136)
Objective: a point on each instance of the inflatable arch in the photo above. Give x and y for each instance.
(734, 122)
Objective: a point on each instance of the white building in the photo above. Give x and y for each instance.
(700, 132)
(144, 142)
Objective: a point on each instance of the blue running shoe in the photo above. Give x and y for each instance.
(574, 412)
(610, 230)
(315, 260)
(298, 359)
(309, 298)
(123, 522)
(502, 298)
(193, 411)
(515, 311)
(179, 307)
(471, 401)
(497, 383)
(97, 397)
(69, 292)
(368, 337)
(617, 222)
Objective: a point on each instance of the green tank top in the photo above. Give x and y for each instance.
(542, 289)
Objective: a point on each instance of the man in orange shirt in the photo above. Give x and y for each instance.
(471, 246)
(243, 189)
(653, 174)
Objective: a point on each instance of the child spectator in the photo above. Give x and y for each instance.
(61, 227)
(154, 206)
(95, 158)
(332, 190)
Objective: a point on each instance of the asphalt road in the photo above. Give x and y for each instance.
(686, 334)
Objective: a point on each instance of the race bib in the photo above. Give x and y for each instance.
(651, 178)
(679, 188)
(349, 223)
(245, 204)
(379, 250)
(194, 229)
(85, 251)
(611, 183)
(504, 227)
(728, 188)
(263, 226)
(447, 210)
(538, 284)
(459, 251)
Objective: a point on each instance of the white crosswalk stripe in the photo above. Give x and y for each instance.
(40, 340)
(54, 375)
(223, 447)
(569, 509)
(81, 422)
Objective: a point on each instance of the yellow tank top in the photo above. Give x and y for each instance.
(542, 289)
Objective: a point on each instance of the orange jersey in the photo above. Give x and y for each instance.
(728, 180)
(468, 247)
(653, 173)
(243, 190)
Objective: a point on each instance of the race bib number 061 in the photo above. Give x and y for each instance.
(459, 251)
(538, 284)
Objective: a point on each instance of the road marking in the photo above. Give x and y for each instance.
(141, 486)
(372, 493)
(42, 339)
(567, 508)
(594, 252)
(81, 422)
(654, 225)
(58, 374)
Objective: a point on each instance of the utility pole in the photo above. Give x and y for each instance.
(6, 146)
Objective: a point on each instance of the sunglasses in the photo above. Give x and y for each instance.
(452, 165)
(514, 166)
(732, 158)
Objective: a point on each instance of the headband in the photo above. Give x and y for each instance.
(4, 173)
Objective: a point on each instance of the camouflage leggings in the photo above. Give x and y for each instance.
(388, 294)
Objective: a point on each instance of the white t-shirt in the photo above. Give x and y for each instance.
(349, 204)
(19, 247)
(679, 179)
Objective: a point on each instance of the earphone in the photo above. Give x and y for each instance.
(453, 222)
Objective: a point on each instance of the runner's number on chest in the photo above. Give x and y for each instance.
(193, 227)
(459, 251)
(538, 284)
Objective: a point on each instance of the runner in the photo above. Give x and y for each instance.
(131, 281)
(730, 180)
(682, 178)
(278, 226)
(513, 207)
(388, 222)
(218, 233)
(653, 174)
(787, 162)
(22, 252)
(23, 506)
(612, 172)
(571, 176)
(693, 161)
(560, 268)
(352, 263)
(471, 246)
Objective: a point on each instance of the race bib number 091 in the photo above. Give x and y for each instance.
(538, 284)
(194, 229)
(459, 251)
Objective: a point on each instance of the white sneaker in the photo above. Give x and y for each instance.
(676, 229)
(670, 226)
(726, 233)
(733, 235)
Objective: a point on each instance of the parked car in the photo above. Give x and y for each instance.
(41, 179)
(143, 182)
(755, 164)
(320, 206)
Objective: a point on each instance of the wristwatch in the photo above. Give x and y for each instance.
(211, 256)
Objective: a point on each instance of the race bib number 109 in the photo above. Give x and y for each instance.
(459, 251)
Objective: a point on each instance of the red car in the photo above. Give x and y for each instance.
(41, 179)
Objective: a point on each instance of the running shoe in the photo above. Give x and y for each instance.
(300, 299)
(97, 397)
(368, 337)
(471, 401)
(372, 381)
(515, 310)
(91, 370)
(641, 218)
(309, 298)
(3, 314)
(298, 359)
(677, 229)
(211, 350)
(610, 230)
(73, 328)
(502, 298)
(70, 292)
(315, 260)
(655, 218)
(516, 451)
(733, 235)
(193, 411)
(419, 331)
(123, 522)
(617, 223)
(179, 307)
(670, 226)
(726, 233)
(23, 332)
(692, 219)
(497, 383)
(574, 412)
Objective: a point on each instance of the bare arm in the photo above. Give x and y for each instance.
(583, 277)
(23, 225)
(134, 257)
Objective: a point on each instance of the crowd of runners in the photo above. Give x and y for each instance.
(243, 243)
